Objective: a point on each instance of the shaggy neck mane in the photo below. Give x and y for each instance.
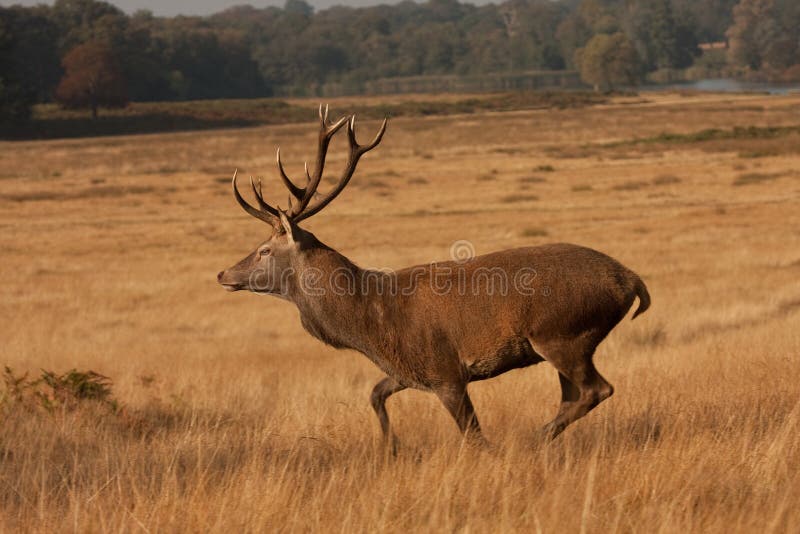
(347, 306)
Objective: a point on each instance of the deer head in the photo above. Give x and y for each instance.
(274, 264)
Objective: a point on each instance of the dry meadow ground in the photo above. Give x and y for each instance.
(234, 418)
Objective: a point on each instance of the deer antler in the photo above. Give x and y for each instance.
(303, 209)
(327, 130)
(267, 213)
(356, 151)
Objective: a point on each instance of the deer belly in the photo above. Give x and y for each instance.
(513, 354)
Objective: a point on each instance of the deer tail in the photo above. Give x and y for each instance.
(644, 298)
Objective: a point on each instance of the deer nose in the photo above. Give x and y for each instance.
(219, 275)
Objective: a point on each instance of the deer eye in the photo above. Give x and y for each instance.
(265, 252)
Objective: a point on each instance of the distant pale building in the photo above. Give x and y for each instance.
(720, 45)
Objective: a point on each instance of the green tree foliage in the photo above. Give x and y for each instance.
(765, 34)
(37, 63)
(80, 21)
(709, 19)
(92, 79)
(753, 30)
(246, 52)
(662, 36)
(15, 98)
(298, 7)
(203, 62)
(609, 61)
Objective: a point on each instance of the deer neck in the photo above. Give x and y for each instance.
(344, 306)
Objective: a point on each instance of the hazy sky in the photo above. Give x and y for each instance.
(206, 7)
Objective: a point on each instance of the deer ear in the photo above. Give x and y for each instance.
(288, 226)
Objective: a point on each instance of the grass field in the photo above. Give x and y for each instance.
(230, 417)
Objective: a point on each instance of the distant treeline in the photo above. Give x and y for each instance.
(87, 53)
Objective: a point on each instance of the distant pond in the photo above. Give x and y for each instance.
(724, 85)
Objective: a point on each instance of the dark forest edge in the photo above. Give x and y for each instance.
(49, 121)
(90, 55)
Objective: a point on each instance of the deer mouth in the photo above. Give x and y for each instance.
(233, 287)
(244, 287)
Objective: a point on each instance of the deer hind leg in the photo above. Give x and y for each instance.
(458, 403)
(382, 391)
(582, 388)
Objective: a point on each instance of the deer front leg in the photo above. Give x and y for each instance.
(382, 391)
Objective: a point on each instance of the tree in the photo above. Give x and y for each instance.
(204, 63)
(598, 15)
(15, 100)
(764, 34)
(245, 51)
(663, 35)
(710, 18)
(299, 7)
(142, 60)
(92, 79)
(608, 61)
(753, 26)
(674, 45)
(37, 63)
(80, 21)
(573, 33)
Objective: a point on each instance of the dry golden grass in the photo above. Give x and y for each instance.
(233, 418)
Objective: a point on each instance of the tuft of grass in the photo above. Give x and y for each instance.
(532, 180)
(666, 179)
(509, 151)
(374, 184)
(545, 168)
(51, 391)
(754, 154)
(630, 186)
(418, 181)
(652, 337)
(569, 151)
(751, 178)
(518, 198)
(534, 232)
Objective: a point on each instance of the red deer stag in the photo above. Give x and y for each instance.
(422, 325)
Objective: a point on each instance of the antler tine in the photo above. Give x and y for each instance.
(298, 192)
(356, 151)
(259, 197)
(331, 129)
(269, 213)
(326, 132)
(362, 149)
